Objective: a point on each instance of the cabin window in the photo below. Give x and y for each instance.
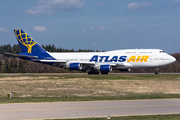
(162, 52)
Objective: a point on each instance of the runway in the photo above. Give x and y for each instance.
(88, 109)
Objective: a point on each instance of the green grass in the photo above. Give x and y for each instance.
(107, 77)
(54, 88)
(86, 98)
(117, 77)
(145, 117)
(124, 77)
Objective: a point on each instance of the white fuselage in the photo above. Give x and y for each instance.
(128, 58)
(94, 61)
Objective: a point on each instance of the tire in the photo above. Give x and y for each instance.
(92, 72)
(103, 73)
(156, 72)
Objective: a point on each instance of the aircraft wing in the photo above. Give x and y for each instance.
(64, 61)
(61, 63)
(118, 64)
(55, 61)
(121, 64)
(124, 64)
(86, 63)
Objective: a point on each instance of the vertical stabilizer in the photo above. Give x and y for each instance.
(28, 44)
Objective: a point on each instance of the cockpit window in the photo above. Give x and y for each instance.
(162, 51)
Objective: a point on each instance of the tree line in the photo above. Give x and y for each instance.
(9, 64)
(13, 66)
(50, 48)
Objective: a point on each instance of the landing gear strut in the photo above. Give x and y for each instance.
(157, 71)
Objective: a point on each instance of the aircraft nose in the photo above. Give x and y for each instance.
(173, 59)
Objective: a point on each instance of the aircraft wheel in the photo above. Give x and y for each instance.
(93, 72)
(90, 72)
(103, 73)
(96, 72)
(157, 71)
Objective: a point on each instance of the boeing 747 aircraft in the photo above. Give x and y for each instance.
(96, 62)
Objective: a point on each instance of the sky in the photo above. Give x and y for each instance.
(94, 24)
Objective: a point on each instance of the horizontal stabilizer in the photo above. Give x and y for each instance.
(33, 57)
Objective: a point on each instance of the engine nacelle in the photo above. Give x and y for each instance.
(74, 66)
(127, 70)
(105, 68)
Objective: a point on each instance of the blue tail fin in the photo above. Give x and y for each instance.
(27, 44)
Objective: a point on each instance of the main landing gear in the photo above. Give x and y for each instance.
(103, 73)
(157, 71)
(93, 72)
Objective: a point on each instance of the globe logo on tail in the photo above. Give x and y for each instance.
(25, 40)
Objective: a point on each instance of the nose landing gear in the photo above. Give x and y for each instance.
(157, 71)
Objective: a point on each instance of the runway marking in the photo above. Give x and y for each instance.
(88, 108)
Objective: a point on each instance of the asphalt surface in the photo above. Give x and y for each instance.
(88, 109)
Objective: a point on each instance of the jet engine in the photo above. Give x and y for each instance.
(105, 68)
(74, 66)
